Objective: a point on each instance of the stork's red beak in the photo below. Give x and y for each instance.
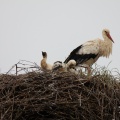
(110, 37)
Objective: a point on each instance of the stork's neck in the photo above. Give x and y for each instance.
(45, 57)
(44, 60)
(44, 63)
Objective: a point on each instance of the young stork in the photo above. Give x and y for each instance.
(88, 53)
(44, 64)
(58, 65)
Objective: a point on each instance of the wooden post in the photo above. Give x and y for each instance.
(16, 68)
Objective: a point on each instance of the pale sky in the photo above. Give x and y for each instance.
(28, 27)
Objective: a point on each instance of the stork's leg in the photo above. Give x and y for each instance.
(87, 67)
(89, 71)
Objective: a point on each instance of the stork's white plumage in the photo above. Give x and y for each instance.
(88, 53)
(44, 64)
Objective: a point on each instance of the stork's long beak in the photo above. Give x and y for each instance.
(109, 36)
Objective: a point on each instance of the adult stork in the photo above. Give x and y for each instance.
(44, 64)
(88, 53)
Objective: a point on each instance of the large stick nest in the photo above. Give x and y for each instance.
(63, 96)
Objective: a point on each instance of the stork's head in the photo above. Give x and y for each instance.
(44, 54)
(57, 65)
(71, 63)
(106, 33)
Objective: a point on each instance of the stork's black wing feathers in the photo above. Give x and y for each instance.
(73, 54)
(84, 57)
(79, 58)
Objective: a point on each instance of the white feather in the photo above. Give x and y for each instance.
(90, 47)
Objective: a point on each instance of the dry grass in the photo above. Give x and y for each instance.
(59, 96)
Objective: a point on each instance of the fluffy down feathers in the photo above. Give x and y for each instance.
(44, 64)
(58, 65)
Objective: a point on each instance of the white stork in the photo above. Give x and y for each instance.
(88, 53)
(44, 64)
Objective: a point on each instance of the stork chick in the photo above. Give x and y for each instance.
(44, 64)
(88, 53)
(58, 65)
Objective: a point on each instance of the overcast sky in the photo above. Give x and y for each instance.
(28, 27)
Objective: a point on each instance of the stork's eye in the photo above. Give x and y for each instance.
(106, 32)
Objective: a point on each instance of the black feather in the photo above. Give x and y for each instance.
(73, 54)
(58, 62)
(83, 58)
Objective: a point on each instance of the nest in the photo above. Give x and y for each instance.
(59, 96)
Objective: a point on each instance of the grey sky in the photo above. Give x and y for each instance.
(28, 27)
